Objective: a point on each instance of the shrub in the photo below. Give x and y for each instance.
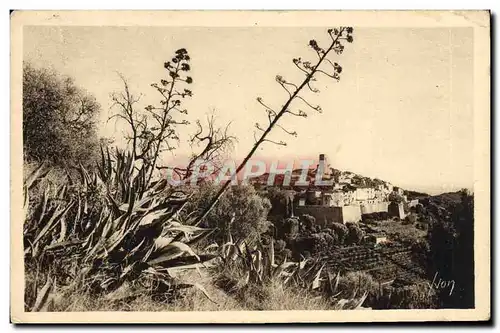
(355, 233)
(291, 227)
(377, 216)
(308, 221)
(451, 254)
(241, 212)
(395, 197)
(322, 242)
(278, 199)
(302, 244)
(358, 282)
(341, 231)
(368, 221)
(420, 209)
(410, 219)
(330, 232)
(280, 245)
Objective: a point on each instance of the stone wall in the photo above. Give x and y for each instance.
(325, 215)
(375, 208)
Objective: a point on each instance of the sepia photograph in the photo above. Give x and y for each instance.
(260, 166)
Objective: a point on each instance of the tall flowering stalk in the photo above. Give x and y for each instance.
(323, 66)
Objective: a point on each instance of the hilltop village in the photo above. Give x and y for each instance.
(346, 200)
(360, 224)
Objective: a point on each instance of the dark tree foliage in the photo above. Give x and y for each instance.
(278, 199)
(355, 234)
(291, 227)
(395, 197)
(341, 231)
(451, 255)
(59, 119)
(410, 219)
(308, 222)
(377, 216)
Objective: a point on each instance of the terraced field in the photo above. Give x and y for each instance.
(384, 264)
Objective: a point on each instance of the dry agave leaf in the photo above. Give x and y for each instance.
(171, 251)
(333, 282)
(210, 247)
(173, 271)
(37, 174)
(228, 251)
(58, 213)
(162, 242)
(148, 218)
(317, 279)
(43, 296)
(360, 302)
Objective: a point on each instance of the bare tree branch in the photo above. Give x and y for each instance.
(287, 131)
(215, 141)
(300, 114)
(317, 107)
(280, 143)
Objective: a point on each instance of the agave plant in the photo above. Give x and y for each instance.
(259, 266)
(128, 234)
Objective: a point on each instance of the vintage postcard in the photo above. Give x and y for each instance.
(250, 166)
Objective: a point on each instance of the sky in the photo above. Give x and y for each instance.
(402, 111)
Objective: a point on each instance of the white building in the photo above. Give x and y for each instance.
(365, 193)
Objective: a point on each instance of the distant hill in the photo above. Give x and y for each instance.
(416, 195)
(447, 199)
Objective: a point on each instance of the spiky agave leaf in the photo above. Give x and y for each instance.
(114, 245)
(36, 175)
(63, 230)
(174, 271)
(43, 296)
(317, 279)
(333, 283)
(271, 253)
(210, 247)
(200, 260)
(171, 251)
(162, 242)
(351, 304)
(149, 217)
(257, 263)
(58, 212)
(281, 269)
(201, 236)
(188, 232)
(360, 302)
(228, 251)
(39, 213)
